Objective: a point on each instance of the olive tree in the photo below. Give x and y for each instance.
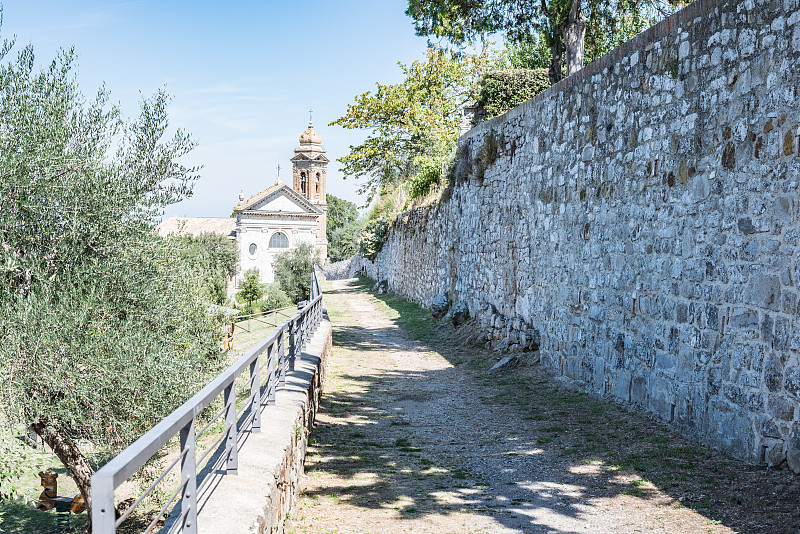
(102, 331)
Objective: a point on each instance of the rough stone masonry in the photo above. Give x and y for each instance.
(639, 223)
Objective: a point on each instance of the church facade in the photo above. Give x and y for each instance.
(276, 219)
(280, 218)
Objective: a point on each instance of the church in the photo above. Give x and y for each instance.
(275, 220)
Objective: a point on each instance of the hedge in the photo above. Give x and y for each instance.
(501, 90)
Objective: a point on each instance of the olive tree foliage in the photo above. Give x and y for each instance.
(214, 255)
(572, 30)
(102, 332)
(293, 270)
(411, 122)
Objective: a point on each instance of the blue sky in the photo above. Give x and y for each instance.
(243, 74)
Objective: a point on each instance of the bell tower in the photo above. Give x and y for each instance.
(309, 166)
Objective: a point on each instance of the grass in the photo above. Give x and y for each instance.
(18, 518)
(414, 319)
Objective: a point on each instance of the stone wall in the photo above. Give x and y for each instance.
(349, 268)
(641, 218)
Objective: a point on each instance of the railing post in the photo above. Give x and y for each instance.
(272, 365)
(189, 480)
(255, 394)
(103, 511)
(282, 357)
(231, 450)
(293, 343)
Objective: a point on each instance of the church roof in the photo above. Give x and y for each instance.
(197, 225)
(259, 197)
(244, 204)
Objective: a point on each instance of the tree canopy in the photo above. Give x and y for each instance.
(581, 29)
(252, 288)
(102, 333)
(342, 228)
(417, 118)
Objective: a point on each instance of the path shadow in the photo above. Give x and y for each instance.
(564, 450)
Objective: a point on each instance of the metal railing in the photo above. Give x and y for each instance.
(270, 353)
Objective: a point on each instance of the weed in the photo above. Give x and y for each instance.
(673, 68)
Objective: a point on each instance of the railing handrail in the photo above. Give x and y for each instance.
(126, 463)
(238, 318)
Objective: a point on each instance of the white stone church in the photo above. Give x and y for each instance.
(278, 218)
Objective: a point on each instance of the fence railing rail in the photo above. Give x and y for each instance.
(277, 353)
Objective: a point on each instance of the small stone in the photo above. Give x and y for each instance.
(682, 172)
(729, 156)
(440, 305)
(788, 143)
(459, 313)
(745, 225)
(768, 127)
(509, 362)
(793, 449)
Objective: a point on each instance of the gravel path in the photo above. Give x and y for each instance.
(412, 439)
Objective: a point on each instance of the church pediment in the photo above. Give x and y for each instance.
(319, 158)
(279, 199)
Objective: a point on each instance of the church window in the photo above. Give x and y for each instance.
(253, 249)
(278, 240)
(302, 182)
(318, 182)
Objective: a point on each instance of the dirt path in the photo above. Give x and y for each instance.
(417, 437)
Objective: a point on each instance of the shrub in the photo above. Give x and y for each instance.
(16, 460)
(428, 175)
(275, 297)
(502, 90)
(373, 237)
(293, 271)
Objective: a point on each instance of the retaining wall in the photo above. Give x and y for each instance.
(639, 223)
(259, 498)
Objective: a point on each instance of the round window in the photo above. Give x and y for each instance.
(253, 249)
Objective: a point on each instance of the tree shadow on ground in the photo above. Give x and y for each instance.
(19, 518)
(564, 450)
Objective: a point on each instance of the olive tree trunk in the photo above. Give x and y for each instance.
(72, 458)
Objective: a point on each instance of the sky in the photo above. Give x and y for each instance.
(243, 75)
